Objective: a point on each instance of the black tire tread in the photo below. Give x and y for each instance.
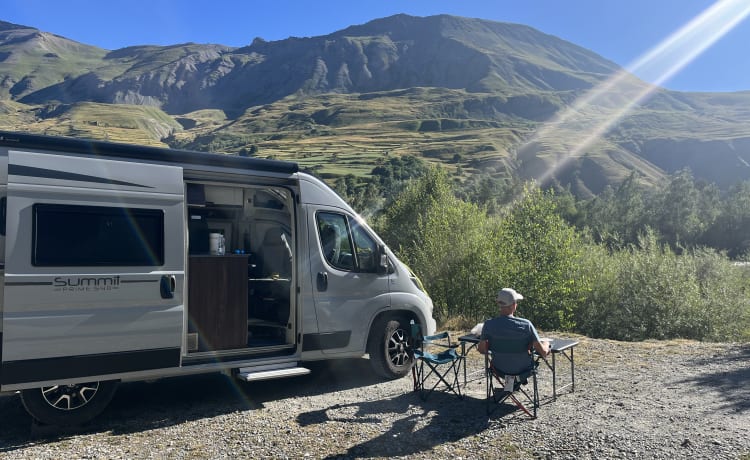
(376, 347)
(42, 412)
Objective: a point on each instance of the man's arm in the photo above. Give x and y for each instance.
(541, 347)
(483, 346)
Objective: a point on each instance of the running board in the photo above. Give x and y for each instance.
(249, 374)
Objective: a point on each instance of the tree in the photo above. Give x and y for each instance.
(683, 212)
(648, 291)
(449, 243)
(395, 171)
(617, 216)
(485, 190)
(731, 229)
(542, 252)
(362, 194)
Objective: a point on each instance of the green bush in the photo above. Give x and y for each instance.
(647, 291)
(644, 290)
(447, 242)
(542, 255)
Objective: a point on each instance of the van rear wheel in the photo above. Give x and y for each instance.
(68, 404)
(390, 347)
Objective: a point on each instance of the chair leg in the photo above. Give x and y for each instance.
(489, 386)
(521, 406)
(443, 378)
(536, 395)
(417, 374)
(493, 400)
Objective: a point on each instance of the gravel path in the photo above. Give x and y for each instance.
(672, 400)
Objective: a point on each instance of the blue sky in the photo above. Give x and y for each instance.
(619, 30)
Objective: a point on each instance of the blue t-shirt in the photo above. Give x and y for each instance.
(510, 328)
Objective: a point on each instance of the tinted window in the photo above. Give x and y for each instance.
(334, 240)
(66, 235)
(345, 244)
(365, 248)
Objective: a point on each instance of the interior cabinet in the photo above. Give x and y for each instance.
(217, 301)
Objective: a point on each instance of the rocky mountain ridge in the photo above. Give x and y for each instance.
(500, 84)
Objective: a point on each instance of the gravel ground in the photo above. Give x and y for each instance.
(672, 400)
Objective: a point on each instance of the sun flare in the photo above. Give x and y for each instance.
(596, 112)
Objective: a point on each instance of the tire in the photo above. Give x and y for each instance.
(68, 404)
(389, 346)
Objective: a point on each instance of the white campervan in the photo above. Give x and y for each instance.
(120, 262)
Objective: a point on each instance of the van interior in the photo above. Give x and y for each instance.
(241, 300)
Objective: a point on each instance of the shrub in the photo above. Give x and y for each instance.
(447, 242)
(541, 253)
(647, 291)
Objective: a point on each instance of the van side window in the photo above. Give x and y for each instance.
(345, 244)
(68, 235)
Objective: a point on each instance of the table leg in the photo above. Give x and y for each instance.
(463, 354)
(572, 371)
(554, 379)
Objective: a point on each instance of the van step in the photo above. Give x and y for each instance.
(250, 375)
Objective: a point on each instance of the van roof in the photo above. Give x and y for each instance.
(139, 152)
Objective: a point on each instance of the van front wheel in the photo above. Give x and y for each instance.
(389, 347)
(68, 404)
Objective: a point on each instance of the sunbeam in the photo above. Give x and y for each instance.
(590, 117)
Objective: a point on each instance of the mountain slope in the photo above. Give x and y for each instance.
(474, 95)
(383, 55)
(31, 60)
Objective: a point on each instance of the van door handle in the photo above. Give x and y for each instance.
(167, 285)
(322, 281)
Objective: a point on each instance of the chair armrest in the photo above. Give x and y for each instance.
(438, 344)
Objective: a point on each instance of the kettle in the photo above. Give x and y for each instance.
(217, 244)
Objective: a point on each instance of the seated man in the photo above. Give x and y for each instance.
(508, 327)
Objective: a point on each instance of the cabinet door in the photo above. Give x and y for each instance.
(217, 302)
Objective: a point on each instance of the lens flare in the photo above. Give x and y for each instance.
(596, 112)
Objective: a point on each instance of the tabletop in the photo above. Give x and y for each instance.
(556, 345)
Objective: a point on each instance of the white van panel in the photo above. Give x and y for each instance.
(314, 191)
(70, 320)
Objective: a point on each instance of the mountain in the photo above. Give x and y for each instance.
(387, 54)
(475, 95)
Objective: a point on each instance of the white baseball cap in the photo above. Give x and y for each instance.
(508, 296)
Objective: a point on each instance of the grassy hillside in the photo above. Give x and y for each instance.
(468, 133)
(472, 95)
(31, 60)
(349, 134)
(116, 123)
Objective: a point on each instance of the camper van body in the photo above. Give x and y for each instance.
(110, 272)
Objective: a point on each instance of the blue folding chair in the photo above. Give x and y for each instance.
(437, 364)
(505, 381)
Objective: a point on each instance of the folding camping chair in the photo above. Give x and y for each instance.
(437, 364)
(504, 382)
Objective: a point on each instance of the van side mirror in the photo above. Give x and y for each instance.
(382, 259)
